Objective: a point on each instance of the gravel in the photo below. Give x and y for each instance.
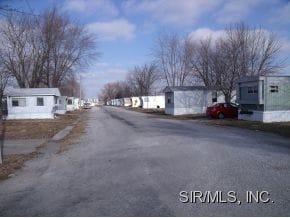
(127, 164)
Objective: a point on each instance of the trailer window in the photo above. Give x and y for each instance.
(18, 102)
(69, 101)
(253, 89)
(274, 89)
(250, 90)
(40, 101)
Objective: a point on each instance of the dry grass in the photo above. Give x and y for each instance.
(160, 113)
(37, 129)
(14, 162)
(281, 128)
(74, 135)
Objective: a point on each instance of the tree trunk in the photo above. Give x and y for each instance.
(2, 140)
(228, 97)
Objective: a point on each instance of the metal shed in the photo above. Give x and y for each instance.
(181, 100)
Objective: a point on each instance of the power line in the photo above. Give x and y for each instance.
(6, 9)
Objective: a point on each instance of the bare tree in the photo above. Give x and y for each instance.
(43, 50)
(246, 52)
(70, 86)
(21, 53)
(4, 79)
(67, 46)
(172, 57)
(202, 61)
(241, 52)
(142, 79)
(115, 90)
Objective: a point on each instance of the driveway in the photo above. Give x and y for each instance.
(128, 164)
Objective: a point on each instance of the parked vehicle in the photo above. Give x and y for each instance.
(87, 105)
(222, 110)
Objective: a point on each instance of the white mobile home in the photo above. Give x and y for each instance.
(70, 104)
(119, 102)
(109, 102)
(181, 100)
(73, 103)
(136, 102)
(113, 102)
(264, 98)
(77, 103)
(32, 103)
(151, 102)
(127, 102)
(62, 101)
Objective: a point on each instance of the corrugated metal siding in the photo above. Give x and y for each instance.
(169, 99)
(248, 98)
(277, 100)
(62, 103)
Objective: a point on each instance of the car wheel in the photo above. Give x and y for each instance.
(221, 116)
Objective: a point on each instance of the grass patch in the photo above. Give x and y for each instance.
(75, 134)
(13, 162)
(160, 113)
(37, 129)
(281, 128)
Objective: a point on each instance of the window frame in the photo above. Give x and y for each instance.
(68, 101)
(252, 89)
(274, 89)
(13, 99)
(37, 102)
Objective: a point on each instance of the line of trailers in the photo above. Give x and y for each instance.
(146, 102)
(260, 98)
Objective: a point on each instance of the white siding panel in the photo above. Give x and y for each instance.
(267, 116)
(31, 110)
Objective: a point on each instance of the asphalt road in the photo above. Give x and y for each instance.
(130, 165)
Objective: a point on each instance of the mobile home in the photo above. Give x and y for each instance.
(151, 102)
(181, 100)
(32, 103)
(264, 98)
(62, 101)
(127, 102)
(136, 102)
(73, 103)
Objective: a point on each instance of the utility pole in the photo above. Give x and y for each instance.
(80, 87)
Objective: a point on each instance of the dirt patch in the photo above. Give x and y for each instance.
(37, 129)
(160, 113)
(14, 162)
(75, 134)
(156, 111)
(281, 128)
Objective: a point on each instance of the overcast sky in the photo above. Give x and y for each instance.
(126, 30)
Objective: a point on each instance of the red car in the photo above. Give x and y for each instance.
(222, 110)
